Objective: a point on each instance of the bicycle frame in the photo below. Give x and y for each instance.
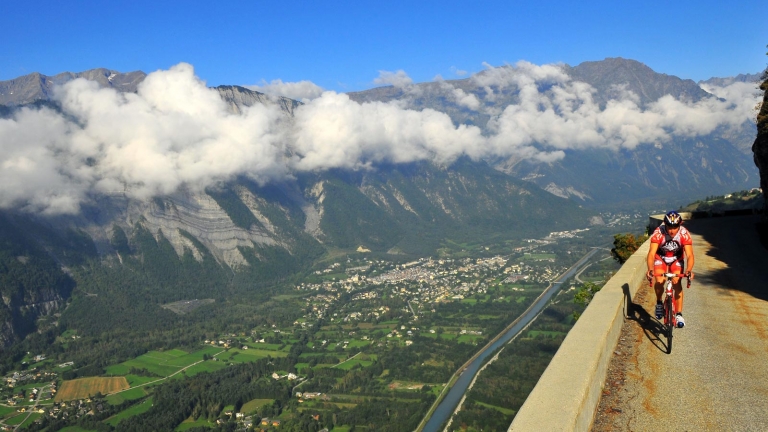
(670, 307)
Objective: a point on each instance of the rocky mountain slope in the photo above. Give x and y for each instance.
(745, 78)
(636, 77)
(241, 236)
(34, 283)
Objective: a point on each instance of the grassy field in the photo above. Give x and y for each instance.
(130, 412)
(30, 420)
(506, 411)
(237, 355)
(349, 364)
(132, 394)
(254, 405)
(5, 410)
(135, 380)
(84, 387)
(466, 338)
(75, 429)
(357, 343)
(191, 423)
(265, 346)
(162, 363)
(208, 366)
(15, 420)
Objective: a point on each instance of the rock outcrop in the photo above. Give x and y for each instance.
(760, 147)
(194, 213)
(20, 312)
(239, 97)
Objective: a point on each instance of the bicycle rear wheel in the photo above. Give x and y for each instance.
(669, 314)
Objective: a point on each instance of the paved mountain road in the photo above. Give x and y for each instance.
(716, 378)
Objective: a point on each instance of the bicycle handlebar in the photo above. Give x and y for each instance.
(671, 275)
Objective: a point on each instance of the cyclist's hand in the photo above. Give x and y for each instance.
(689, 275)
(649, 275)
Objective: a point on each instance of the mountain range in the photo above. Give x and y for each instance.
(238, 236)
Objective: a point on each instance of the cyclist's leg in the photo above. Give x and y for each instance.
(677, 267)
(659, 268)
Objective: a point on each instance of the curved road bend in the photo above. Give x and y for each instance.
(447, 406)
(716, 378)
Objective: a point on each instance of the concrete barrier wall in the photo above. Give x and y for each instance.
(567, 394)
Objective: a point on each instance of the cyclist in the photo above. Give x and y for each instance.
(671, 248)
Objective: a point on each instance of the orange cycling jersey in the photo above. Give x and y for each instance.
(671, 247)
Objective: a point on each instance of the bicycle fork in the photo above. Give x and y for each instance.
(670, 304)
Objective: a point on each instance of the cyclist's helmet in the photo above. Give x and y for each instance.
(672, 219)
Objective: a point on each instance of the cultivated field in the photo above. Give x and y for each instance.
(162, 363)
(84, 387)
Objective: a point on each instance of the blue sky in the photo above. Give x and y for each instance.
(342, 45)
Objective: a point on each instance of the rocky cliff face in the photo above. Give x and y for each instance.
(760, 147)
(194, 213)
(32, 283)
(238, 97)
(22, 312)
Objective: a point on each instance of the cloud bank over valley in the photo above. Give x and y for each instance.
(175, 131)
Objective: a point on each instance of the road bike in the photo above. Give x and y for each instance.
(670, 307)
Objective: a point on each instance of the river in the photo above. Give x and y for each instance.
(451, 400)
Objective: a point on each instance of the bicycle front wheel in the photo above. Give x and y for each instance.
(670, 321)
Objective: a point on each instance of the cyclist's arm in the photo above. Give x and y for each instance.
(689, 259)
(652, 256)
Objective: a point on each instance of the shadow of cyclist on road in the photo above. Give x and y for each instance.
(651, 327)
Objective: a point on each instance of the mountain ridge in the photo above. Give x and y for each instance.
(35, 86)
(726, 163)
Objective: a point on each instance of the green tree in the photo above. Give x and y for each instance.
(584, 295)
(624, 245)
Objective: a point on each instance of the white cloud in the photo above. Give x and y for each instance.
(559, 113)
(300, 90)
(459, 96)
(398, 79)
(458, 72)
(31, 174)
(742, 97)
(174, 131)
(333, 131)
